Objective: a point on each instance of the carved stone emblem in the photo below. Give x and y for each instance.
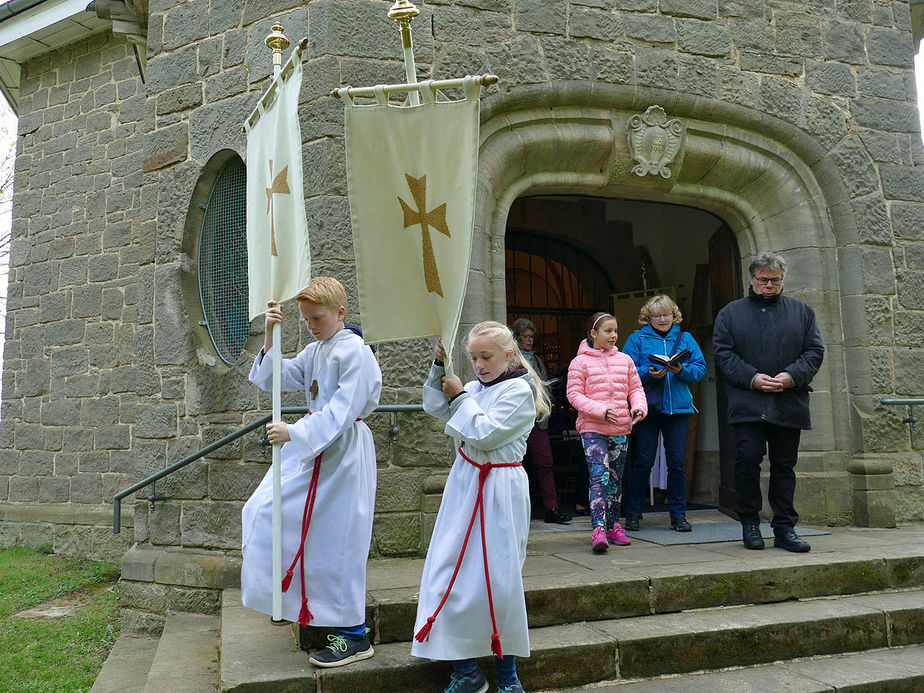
(654, 142)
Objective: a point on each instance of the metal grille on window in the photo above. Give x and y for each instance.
(557, 286)
(223, 261)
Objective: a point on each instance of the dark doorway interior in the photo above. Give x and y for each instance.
(556, 286)
(725, 286)
(568, 257)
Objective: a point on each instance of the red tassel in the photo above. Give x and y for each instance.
(287, 580)
(424, 632)
(304, 615)
(496, 646)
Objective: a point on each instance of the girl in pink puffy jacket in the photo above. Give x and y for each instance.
(604, 387)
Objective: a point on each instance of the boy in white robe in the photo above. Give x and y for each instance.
(471, 600)
(328, 480)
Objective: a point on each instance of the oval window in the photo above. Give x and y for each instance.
(223, 261)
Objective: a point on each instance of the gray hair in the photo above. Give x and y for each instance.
(503, 338)
(767, 261)
(521, 325)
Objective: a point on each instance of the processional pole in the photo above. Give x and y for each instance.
(403, 11)
(278, 42)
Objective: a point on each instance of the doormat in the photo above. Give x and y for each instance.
(708, 533)
(663, 508)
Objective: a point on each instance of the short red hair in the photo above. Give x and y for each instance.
(325, 291)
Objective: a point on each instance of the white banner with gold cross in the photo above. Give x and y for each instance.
(411, 174)
(278, 258)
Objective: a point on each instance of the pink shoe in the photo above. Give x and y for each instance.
(598, 540)
(617, 536)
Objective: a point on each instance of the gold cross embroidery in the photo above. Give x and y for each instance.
(435, 219)
(280, 187)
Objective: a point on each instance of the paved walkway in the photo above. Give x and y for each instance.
(560, 554)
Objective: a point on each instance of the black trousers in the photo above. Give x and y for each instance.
(752, 440)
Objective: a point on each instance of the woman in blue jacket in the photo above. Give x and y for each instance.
(670, 404)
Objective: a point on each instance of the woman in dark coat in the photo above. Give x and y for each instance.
(670, 404)
(538, 448)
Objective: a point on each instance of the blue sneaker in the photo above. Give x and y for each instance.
(342, 651)
(513, 688)
(468, 684)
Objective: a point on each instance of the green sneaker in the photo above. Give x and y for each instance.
(468, 684)
(342, 651)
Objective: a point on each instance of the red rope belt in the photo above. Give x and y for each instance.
(304, 615)
(477, 511)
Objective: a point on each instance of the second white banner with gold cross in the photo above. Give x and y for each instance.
(411, 173)
(278, 256)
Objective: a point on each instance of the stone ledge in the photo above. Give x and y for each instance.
(174, 566)
(61, 513)
(873, 670)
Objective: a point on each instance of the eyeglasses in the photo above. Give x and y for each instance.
(763, 281)
(666, 316)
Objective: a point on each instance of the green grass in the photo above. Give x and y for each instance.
(60, 654)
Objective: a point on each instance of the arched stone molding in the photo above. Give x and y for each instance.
(771, 183)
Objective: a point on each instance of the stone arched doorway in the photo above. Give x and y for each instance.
(569, 256)
(752, 173)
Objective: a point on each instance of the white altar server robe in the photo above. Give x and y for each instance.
(337, 545)
(493, 423)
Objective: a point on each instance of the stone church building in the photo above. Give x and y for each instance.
(793, 128)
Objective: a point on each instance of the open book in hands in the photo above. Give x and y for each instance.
(665, 361)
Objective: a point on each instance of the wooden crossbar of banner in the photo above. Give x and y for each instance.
(486, 81)
(267, 98)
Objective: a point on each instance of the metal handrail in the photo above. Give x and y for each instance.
(911, 402)
(393, 409)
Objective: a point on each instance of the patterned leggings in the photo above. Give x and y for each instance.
(606, 457)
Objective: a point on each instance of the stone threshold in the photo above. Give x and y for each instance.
(565, 582)
(257, 656)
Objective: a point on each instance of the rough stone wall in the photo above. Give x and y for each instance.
(207, 65)
(838, 70)
(76, 252)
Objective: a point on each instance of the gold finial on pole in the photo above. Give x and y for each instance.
(278, 42)
(403, 11)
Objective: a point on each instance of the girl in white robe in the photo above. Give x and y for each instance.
(489, 421)
(342, 381)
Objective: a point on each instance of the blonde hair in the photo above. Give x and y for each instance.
(656, 305)
(502, 336)
(325, 291)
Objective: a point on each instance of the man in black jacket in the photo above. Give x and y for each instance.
(769, 348)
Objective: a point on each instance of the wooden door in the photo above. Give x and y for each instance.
(725, 284)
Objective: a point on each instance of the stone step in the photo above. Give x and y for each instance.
(257, 656)
(126, 668)
(187, 655)
(891, 669)
(575, 585)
